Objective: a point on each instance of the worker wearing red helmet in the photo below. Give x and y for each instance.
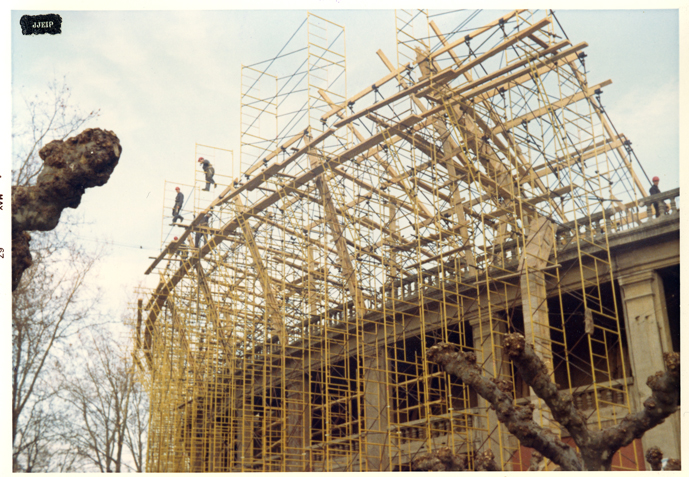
(181, 250)
(655, 190)
(179, 200)
(210, 172)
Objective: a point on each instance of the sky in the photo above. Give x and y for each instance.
(165, 81)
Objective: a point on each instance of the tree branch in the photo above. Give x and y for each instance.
(663, 402)
(485, 461)
(440, 460)
(536, 462)
(655, 458)
(597, 448)
(519, 420)
(535, 373)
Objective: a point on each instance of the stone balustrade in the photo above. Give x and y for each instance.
(618, 218)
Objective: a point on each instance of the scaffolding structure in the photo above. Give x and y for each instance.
(461, 196)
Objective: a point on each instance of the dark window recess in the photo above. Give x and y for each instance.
(266, 414)
(670, 276)
(606, 341)
(415, 395)
(406, 366)
(317, 386)
(339, 416)
(402, 467)
(606, 346)
(222, 423)
(212, 412)
(236, 428)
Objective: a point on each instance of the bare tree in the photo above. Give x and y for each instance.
(137, 426)
(52, 300)
(106, 410)
(596, 448)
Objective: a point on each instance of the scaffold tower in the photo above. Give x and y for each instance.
(464, 194)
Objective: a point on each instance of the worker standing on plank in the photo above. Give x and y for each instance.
(653, 191)
(210, 172)
(179, 200)
(181, 250)
(201, 234)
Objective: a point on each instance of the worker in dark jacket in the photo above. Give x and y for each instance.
(653, 191)
(202, 234)
(210, 172)
(179, 200)
(181, 250)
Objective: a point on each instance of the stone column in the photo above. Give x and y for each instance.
(488, 341)
(648, 337)
(198, 436)
(537, 250)
(298, 422)
(376, 436)
(246, 435)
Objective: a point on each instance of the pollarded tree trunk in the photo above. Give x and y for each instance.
(597, 448)
(444, 460)
(654, 457)
(440, 460)
(70, 167)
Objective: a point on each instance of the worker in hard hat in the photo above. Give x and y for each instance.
(179, 200)
(202, 234)
(181, 250)
(210, 172)
(653, 191)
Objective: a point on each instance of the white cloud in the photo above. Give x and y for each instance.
(649, 117)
